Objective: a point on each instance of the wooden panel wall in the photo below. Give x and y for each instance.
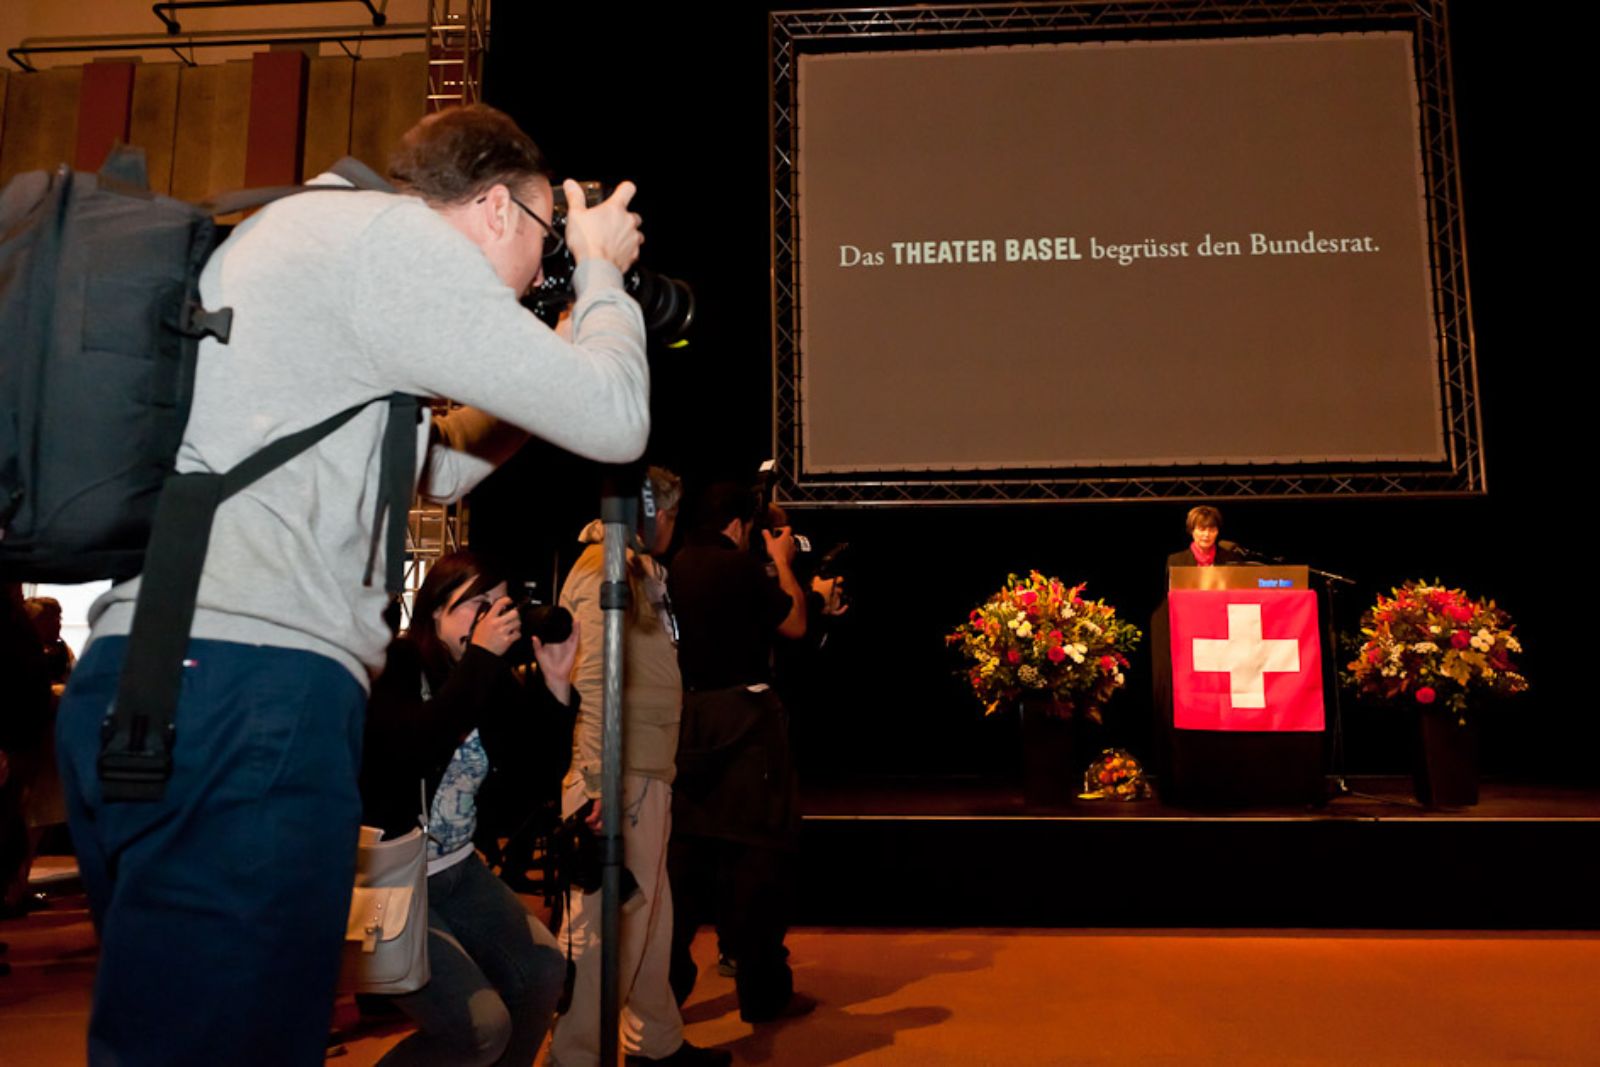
(41, 122)
(153, 125)
(389, 96)
(105, 99)
(213, 120)
(5, 78)
(277, 117)
(328, 112)
(193, 122)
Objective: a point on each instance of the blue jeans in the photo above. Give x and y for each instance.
(221, 907)
(493, 991)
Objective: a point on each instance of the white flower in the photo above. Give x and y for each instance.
(1424, 646)
(1025, 629)
(1482, 640)
(1433, 629)
(1512, 644)
(1119, 677)
(1013, 622)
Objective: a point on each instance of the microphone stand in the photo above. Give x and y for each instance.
(1341, 787)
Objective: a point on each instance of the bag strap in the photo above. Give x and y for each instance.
(358, 174)
(138, 733)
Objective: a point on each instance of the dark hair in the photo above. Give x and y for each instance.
(724, 502)
(450, 573)
(454, 155)
(1204, 515)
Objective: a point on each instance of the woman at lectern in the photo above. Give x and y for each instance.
(1205, 548)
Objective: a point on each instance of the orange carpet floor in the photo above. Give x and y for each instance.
(1016, 997)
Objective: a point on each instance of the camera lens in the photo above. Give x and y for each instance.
(550, 623)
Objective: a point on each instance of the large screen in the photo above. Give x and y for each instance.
(1201, 252)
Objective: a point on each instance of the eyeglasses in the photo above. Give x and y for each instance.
(553, 241)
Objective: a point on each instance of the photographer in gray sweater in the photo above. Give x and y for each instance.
(221, 908)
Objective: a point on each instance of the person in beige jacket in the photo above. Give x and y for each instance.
(652, 702)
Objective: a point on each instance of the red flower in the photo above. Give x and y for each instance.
(1055, 637)
(1426, 695)
(1460, 639)
(1108, 664)
(976, 616)
(1013, 656)
(1056, 654)
(1459, 613)
(1374, 655)
(1027, 596)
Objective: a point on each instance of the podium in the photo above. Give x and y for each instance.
(1239, 687)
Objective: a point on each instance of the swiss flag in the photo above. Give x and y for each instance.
(1245, 659)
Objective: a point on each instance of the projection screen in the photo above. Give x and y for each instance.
(1208, 254)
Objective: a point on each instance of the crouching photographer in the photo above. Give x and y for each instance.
(445, 711)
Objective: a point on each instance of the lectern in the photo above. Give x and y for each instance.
(1239, 684)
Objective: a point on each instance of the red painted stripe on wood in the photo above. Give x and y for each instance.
(276, 141)
(104, 104)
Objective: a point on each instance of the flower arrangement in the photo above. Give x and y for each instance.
(1435, 645)
(1115, 775)
(1040, 636)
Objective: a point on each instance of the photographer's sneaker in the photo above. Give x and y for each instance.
(687, 1056)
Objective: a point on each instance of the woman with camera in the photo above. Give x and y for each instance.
(446, 710)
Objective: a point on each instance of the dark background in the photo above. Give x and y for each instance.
(678, 102)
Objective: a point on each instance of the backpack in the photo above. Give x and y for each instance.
(102, 321)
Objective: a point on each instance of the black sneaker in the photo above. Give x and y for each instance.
(687, 1055)
(727, 966)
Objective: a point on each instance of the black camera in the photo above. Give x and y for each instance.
(550, 623)
(667, 303)
(575, 848)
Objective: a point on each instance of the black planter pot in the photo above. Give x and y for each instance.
(1052, 776)
(1447, 760)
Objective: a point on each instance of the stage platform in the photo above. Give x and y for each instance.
(967, 852)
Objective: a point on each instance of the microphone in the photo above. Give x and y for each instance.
(1248, 554)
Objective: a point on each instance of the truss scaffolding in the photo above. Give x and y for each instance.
(457, 40)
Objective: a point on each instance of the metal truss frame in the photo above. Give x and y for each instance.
(795, 33)
(458, 34)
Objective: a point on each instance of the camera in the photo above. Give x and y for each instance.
(575, 848)
(667, 303)
(807, 564)
(550, 623)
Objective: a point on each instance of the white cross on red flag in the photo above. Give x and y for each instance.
(1245, 659)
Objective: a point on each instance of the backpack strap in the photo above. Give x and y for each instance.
(138, 734)
(196, 321)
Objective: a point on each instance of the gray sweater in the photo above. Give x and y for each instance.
(344, 297)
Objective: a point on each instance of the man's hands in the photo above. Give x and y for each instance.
(606, 231)
(831, 590)
(780, 546)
